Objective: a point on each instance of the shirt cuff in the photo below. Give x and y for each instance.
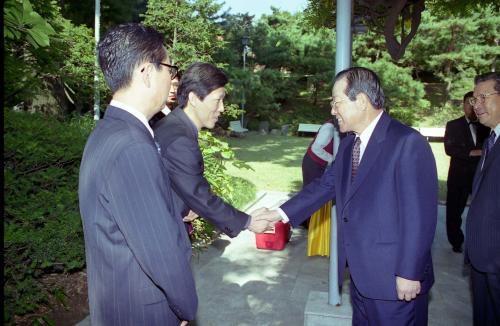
(248, 222)
(283, 215)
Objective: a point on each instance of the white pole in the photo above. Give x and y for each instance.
(342, 61)
(96, 66)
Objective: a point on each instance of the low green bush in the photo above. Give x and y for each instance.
(43, 231)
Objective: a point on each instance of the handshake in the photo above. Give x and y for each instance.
(263, 219)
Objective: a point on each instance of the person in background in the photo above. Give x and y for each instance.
(463, 140)
(318, 156)
(482, 232)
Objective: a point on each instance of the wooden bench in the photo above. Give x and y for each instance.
(308, 127)
(432, 134)
(235, 127)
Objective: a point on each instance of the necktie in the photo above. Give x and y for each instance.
(355, 158)
(489, 143)
(157, 145)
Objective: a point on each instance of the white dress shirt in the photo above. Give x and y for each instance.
(136, 113)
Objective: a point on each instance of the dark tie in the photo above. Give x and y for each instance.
(355, 158)
(157, 145)
(489, 143)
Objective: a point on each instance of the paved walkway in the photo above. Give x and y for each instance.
(239, 285)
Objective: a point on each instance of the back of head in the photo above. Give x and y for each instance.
(126, 46)
(201, 79)
(495, 76)
(363, 80)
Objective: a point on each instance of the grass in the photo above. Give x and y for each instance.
(277, 160)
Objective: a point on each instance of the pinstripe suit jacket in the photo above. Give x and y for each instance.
(137, 250)
(482, 237)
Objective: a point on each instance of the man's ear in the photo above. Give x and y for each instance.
(193, 99)
(145, 71)
(362, 100)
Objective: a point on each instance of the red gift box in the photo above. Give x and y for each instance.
(274, 240)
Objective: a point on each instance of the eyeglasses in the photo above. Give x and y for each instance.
(334, 103)
(480, 99)
(174, 70)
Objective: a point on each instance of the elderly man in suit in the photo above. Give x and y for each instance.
(463, 140)
(384, 181)
(137, 250)
(482, 232)
(201, 102)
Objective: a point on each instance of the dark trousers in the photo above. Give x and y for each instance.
(371, 312)
(456, 199)
(485, 298)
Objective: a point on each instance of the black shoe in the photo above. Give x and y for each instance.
(458, 249)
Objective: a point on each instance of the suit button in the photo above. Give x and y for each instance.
(345, 219)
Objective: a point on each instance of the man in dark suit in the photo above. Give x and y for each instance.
(137, 250)
(201, 101)
(482, 232)
(384, 181)
(463, 140)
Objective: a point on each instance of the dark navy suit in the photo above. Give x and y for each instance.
(387, 216)
(137, 250)
(482, 239)
(178, 138)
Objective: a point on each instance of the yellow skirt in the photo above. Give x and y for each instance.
(318, 237)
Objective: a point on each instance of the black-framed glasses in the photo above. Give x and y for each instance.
(174, 70)
(480, 99)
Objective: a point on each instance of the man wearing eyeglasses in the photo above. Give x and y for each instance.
(137, 250)
(482, 232)
(463, 140)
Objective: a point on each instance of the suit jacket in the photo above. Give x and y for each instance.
(458, 143)
(178, 140)
(137, 250)
(387, 217)
(482, 237)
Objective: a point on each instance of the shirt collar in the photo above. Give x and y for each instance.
(497, 131)
(367, 133)
(136, 113)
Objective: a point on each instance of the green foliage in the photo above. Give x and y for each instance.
(43, 232)
(189, 28)
(22, 22)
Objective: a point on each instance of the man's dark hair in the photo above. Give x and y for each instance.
(201, 79)
(468, 95)
(489, 76)
(126, 46)
(363, 80)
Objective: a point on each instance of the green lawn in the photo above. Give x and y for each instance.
(276, 162)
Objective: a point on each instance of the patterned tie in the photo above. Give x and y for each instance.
(489, 143)
(355, 158)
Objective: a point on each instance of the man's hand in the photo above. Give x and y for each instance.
(184, 323)
(263, 219)
(190, 217)
(475, 152)
(407, 289)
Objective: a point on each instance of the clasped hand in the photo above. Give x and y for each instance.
(263, 219)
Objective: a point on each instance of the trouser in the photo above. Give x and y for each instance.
(485, 298)
(456, 199)
(372, 312)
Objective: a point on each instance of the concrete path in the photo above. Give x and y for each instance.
(239, 285)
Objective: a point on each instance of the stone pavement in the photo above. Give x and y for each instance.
(239, 285)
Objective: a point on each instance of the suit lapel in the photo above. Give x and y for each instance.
(372, 151)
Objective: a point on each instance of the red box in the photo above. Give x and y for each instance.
(274, 240)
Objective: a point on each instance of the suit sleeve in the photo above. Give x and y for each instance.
(185, 167)
(455, 144)
(140, 198)
(417, 189)
(310, 198)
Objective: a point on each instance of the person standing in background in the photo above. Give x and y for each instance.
(463, 140)
(482, 232)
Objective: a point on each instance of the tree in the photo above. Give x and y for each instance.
(189, 27)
